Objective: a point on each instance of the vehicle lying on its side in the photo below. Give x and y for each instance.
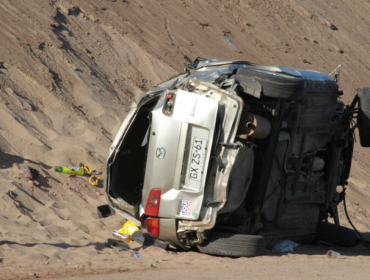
(230, 154)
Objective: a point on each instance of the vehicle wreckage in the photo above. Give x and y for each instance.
(231, 155)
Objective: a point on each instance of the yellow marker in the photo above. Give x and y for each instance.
(87, 170)
(93, 180)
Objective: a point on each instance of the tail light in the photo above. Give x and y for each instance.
(169, 104)
(152, 226)
(153, 202)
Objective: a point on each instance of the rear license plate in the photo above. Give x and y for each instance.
(198, 152)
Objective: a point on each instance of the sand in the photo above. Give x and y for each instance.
(68, 71)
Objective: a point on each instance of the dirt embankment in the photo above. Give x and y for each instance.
(68, 70)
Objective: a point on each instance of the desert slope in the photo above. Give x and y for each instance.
(68, 70)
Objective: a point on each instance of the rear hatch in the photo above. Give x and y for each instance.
(164, 151)
(179, 152)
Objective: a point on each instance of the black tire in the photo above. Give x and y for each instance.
(336, 235)
(233, 245)
(273, 84)
(364, 116)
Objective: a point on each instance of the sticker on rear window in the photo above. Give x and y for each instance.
(186, 206)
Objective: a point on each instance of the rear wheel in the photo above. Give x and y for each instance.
(336, 235)
(233, 245)
(364, 116)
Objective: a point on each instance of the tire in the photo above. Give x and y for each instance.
(273, 84)
(364, 116)
(336, 235)
(233, 245)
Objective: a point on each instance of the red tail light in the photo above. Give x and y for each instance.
(153, 202)
(169, 104)
(152, 226)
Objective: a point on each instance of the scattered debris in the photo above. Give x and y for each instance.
(332, 254)
(332, 27)
(146, 240)
(105, 211)
(41, 46)
(143, 84)
(34, 173)
(74, 11)
(25, 170)
(335, 74)
(137, 255)
(204, 24)
(130, 232)
(117, 244)
(231, 45)
(338, 49)
(72, 170)
(100, 9)
(285, 246)
(126, 231)
(226, 33)
(82, 170)
(29, 172)
(75, 68)
(327, 23)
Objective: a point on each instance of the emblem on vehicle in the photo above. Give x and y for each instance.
(160, 153)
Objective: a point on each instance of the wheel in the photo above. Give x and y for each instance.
(233, 245)
(336, 235)
(275, 85)
(364, 116)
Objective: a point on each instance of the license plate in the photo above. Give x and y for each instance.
(197, 156)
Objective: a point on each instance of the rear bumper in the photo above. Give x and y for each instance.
(168, 231)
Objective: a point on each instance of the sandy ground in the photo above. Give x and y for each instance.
(68, 70)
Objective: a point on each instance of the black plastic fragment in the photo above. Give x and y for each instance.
(146, 240)
(105, 211)
(117, 244)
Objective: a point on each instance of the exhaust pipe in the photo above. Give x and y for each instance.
(253, 126)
